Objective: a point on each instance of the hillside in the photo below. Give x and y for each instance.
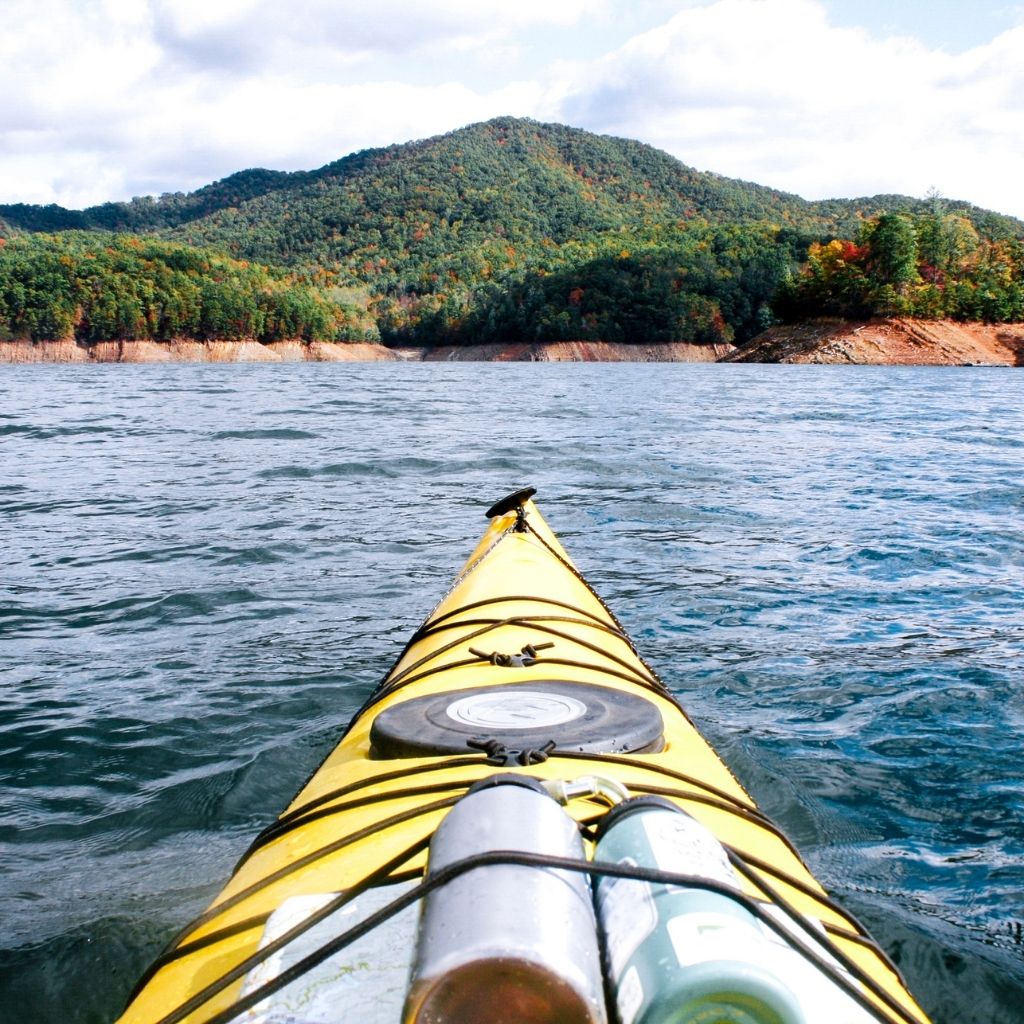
(544, 172)
(96, 287)
(562, 182)
(512, 230)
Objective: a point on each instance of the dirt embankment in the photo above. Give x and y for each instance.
(185, 351)
(889, 342)
(579, 352)
(894, 341)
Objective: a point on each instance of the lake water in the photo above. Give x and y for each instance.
(205, 569)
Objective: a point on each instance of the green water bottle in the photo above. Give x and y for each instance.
(677, 954)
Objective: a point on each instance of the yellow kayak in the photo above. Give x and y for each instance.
(385, 892)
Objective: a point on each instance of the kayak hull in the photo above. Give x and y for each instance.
(493, 681)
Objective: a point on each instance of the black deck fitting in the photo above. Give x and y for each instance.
(511, 501)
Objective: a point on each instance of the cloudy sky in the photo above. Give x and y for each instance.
(108, 99)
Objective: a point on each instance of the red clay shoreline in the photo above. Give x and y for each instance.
(888, 341)
(881, 341)
(188, 351)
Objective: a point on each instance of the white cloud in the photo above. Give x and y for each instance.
(111, 98)
(196, 138)
(769, 91)
(267, 33)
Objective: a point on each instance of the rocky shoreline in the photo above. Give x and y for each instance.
(187, 351)
(578, 352)
(883, 341)
(887, 341)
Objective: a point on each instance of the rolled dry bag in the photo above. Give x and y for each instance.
(507, 944)
(676, 954)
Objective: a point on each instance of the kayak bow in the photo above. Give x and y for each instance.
(522, 669)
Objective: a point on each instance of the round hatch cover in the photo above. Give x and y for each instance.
(577, 716)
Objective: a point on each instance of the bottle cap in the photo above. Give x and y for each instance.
(631, 806)
(507, 779)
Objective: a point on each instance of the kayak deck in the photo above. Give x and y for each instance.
(519, 617)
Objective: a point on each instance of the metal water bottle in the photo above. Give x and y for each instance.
(682, 954)
(505, 943)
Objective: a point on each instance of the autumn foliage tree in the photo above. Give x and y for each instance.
(930, 265)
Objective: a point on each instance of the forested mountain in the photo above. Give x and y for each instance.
(513, 228)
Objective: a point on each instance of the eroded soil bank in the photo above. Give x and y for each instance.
(184, 351)
(888, 341)
(893, 341)
(580, 352)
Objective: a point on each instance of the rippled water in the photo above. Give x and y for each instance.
(206, 569)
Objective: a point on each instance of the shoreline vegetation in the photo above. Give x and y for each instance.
(889, 341)
(509, 240)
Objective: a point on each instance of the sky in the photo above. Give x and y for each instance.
(108, 99)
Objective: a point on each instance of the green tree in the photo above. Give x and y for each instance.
(893, 245)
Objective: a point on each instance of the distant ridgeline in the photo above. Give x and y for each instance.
(505, 231)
